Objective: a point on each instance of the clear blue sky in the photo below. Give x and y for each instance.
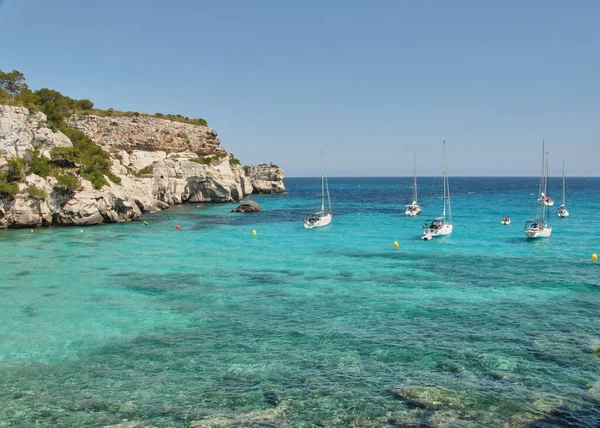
(367, 81)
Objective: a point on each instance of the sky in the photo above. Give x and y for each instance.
(366, 81)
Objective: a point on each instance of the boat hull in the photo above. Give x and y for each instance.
(320, 221)
(444, 230)
(534, 232)
(412, 210)
(562, 212)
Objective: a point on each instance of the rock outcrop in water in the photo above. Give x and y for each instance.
(160, 163)
(247, 207)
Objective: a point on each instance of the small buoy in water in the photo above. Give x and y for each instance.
(146, 223)
(254, 232)
(595, 257)
(32, 230)
(396, 244)
(177, 227)
(80, 230)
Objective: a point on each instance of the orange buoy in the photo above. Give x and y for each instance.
(177, 227)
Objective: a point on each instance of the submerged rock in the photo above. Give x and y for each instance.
(274, 417)
(247, 207)
(427, 397)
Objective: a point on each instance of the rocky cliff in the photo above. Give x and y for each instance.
(160, 163)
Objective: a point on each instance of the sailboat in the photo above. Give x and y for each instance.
(441, 225)
(540, 227)
(320, 218)
(414, 208)
(562, 210)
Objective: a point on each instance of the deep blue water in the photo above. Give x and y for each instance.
(325, 327)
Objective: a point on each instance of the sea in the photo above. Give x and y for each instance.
(210, 324)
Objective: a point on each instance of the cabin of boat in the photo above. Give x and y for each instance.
(436, 227)
(537, 228)
(412, 209)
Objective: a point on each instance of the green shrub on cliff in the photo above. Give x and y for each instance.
(207, 160)
(8, 189)
(92, 160)
(39, 165)
(16, 170)
(66, 183)
(36, 192)
(145, 170)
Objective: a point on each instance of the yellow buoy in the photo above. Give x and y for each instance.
(396, 244)
(80, 230)
(595, 257)
(32, 230)
(254, 232)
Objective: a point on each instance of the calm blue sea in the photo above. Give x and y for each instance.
(328, 327)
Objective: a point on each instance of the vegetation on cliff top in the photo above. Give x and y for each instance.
(57, 107)
(85, 158)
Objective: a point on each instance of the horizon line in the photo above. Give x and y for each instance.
(438, 176)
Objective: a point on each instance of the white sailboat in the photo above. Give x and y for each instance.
(562, 210)
(540, 226)
(322, 217)
(414, 208)
(440, 226)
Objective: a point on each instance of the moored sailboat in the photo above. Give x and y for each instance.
(414, 208)
(323, 217)
(440, 226)
(540, 226)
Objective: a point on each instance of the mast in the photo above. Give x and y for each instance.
(447, 184)
(542, 174)
(322, 185)
(546, 212)
(415, 176)
(444, 179)
(563, 199)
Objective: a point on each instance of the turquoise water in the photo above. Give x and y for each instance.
(294, 327)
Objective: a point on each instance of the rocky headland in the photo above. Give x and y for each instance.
(154, 163)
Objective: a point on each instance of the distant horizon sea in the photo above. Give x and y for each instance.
(334, 327)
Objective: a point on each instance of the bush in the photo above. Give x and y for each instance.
(202, 160)
(207, 160)
(16, 170)
(234, 161)
(66, 182)
(145, 170)
(36, 192)
(39, 165)
(8, 189)
(113, 123)
(85, 104)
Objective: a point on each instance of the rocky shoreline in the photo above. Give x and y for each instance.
(159, 162)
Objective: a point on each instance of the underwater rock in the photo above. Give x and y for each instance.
(271, 398)
(131, 424)
(427, 397)
(266, 418)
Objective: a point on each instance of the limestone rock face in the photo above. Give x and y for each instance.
(159, 162)
(147, 133)
(247, 207)
(266, 179)
(85, 207)
(21, 130)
